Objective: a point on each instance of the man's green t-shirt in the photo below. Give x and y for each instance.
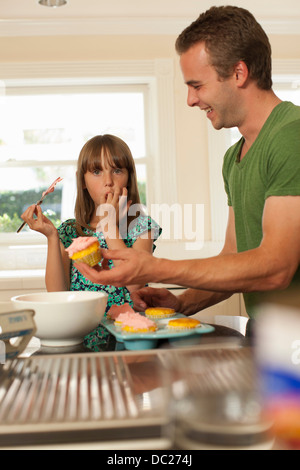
(270, 168)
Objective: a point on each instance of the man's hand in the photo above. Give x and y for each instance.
(136, 267)
(154, 297)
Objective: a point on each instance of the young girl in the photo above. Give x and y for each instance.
(105, 176)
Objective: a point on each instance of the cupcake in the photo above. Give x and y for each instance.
(180, 324)
(116, 310)
(125, 317)
(85, 250)
(138, 324)
(159, 313)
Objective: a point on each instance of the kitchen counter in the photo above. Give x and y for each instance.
(220, 333)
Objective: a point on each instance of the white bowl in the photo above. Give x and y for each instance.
(63, 318)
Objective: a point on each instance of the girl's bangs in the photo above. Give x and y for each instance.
(113, 158)
(116, 159)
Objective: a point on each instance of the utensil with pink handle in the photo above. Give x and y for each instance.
(45, 193)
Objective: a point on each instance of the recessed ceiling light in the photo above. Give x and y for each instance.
(52, 3)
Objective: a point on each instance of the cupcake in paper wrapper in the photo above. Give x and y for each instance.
(181, 324)
(159, 313)
(85, 250)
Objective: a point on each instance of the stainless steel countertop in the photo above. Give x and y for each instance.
(108, 400)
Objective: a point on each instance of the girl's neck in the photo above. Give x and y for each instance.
(93, 222)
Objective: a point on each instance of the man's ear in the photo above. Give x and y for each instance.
(241, 73)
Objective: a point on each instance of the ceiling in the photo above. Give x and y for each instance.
(27, 17)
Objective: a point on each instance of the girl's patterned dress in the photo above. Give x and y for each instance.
(99, 339)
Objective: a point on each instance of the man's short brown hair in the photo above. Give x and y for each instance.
(231, 34)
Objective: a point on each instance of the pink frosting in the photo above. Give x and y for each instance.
(135, 320)
(125, 317)
(116, 310)
(52, 187)
(79, 244)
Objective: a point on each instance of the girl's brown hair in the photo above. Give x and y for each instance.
(118, 155)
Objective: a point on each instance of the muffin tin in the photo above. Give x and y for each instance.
(140, 341)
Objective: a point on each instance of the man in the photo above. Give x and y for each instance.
(225, 57)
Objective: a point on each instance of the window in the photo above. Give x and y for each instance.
(45, 147)
(287, 89)
(42, 132)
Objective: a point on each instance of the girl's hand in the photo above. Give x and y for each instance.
(37, 221)
(123, 206)
(112, 212)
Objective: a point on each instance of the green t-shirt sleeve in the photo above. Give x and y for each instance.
(283, 169)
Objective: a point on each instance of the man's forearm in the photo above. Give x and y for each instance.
(193, 300)
(250, 271)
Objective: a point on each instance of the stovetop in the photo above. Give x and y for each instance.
(114, 399)
(56, 399)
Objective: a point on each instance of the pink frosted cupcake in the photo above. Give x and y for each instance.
(116, 310)
(85, 250)
(122, 318)
(138, 324)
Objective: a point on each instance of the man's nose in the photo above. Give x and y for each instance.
(192, 97)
